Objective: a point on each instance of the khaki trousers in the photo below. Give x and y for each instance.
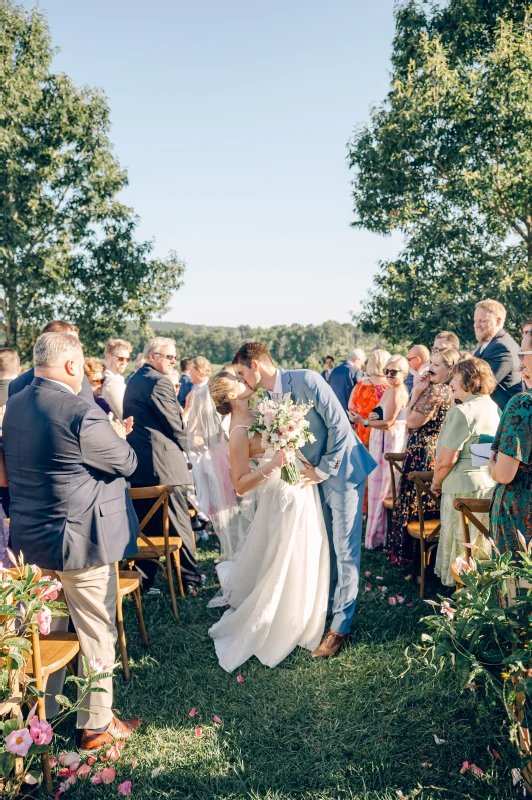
(90, 595)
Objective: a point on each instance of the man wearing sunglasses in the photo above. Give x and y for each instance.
(159, 440)
(117, 357)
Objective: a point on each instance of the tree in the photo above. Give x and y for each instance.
(67, 244)
(446, 160)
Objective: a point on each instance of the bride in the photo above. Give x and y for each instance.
(277, 582)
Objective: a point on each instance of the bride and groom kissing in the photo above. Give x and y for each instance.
(296, 554)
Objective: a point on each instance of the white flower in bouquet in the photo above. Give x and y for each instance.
(282, 425)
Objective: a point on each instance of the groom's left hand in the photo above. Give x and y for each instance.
(310, 476)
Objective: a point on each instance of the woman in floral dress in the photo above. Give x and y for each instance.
(430, 401)
(511, 504)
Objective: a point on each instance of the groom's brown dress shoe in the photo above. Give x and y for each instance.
(331, 645)
(118, 731)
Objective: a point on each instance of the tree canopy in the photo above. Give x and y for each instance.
(67, 244)
(446, 160)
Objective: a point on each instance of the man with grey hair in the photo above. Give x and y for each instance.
(344, 377)
(71, 513)
(159, 439)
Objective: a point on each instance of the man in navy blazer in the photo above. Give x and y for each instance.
(70, 510)
(344, 377)
(497, 347)
(185, 384)
(55, 326)
(329, 366)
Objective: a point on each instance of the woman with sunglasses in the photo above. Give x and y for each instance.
(431, 399)
(94, 369)
(454, 473)
(388, 435)
(511, 464)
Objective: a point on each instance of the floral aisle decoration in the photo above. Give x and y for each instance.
(282, 424)
(484, 633)
(28, 601)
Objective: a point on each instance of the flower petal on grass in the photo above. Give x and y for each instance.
(108, 774)
(217, 720)
(125, 788)
(438, 740)
(368, 587)
(239, 679)
(199, 732)
(400, 599)
(367, 573)
(134, 762)
(157, 771)
(392, 600)
(193, 712)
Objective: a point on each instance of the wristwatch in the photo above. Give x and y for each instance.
(365, 423)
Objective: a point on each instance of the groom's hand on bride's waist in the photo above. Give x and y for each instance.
(309, 475)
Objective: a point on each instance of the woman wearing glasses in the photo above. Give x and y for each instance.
(94, 370)
(430, 401)
(511, 464)
(454, 474)
(388, 435)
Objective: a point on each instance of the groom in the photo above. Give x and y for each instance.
(338, 462)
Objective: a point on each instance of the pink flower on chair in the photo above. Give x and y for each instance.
(19, 742)
(44, 618)
(41, 731)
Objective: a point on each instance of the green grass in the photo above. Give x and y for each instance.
(358, 726)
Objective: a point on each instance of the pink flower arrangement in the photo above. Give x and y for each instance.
(44, 618)
(19, 742)
(41, 731)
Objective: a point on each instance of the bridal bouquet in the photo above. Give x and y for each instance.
(282, 424)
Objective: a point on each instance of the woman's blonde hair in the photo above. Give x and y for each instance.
(203, 365)
(401, 361)
(449, 356)
(377, 361)
(219, 386)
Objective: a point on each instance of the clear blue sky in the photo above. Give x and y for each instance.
(231, 117)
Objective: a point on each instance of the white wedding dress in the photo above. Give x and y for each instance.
(278, 582)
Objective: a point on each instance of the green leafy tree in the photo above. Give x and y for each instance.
(67, 244)
(446, 160)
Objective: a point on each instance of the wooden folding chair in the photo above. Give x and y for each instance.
(468, 507)
(128, 582)
(153, 548)
(49, 654)
(426, 531)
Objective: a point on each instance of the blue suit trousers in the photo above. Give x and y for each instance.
(343, 519)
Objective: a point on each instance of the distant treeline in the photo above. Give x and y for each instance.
(290, 345)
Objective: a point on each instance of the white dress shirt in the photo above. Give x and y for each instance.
(484, 345)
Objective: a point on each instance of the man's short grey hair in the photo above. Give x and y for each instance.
(54, 349)
(357, 353)
(155, 344)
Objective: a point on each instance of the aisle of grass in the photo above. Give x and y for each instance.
(359, 726)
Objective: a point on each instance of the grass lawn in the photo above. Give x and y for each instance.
(361, 725)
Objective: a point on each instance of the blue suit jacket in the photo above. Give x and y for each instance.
(337, 450)
(342, 380)
(185, 388)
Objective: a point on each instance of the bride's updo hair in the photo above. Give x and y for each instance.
(219, 386)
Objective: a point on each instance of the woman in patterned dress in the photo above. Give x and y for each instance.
(511, 505)
(430, 401)
(388, 435)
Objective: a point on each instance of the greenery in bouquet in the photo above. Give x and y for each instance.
(485, 638)
(28, 601)
(282, 424)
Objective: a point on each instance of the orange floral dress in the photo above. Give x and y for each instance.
(364, 398)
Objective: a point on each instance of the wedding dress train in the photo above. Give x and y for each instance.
(277, 584)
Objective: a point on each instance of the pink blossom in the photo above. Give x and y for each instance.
(447, 609)
(69, 759)
(239, 679)
(461, 565)
(91, 760)
(125, 788)
(53, 762)
(41, 731)
(392, 600)
(19, 742)
(44, 618)
(193, 712)
(217, 720)
(108, 774)
(199, 732)
(83, 772)
(46, 593)
(97, 778)
(65, 786)
(64, 772)
(113, 754)
(400, 599)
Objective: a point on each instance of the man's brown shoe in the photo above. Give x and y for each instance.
(118, 731)
(331, 645)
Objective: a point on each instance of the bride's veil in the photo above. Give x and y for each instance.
(208, 450)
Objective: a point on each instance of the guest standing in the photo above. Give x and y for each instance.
(367, 394)
(9, 370)
(511, 506)
(186, 383)
(418, 360)
(431, 399)
(94, 369)
(446, 339)
(117, 357)
(200, 372)
(497, 348)
(159, 439)
(388, 435)
(70, 510)
(343, 378)
(454, 475)
(329, 366)
(55, 326)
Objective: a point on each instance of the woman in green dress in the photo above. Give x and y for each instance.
(511, 464)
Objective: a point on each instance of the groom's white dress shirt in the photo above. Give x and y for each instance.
(277, 394)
